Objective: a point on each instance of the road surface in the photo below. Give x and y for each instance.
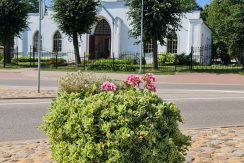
(201, 106)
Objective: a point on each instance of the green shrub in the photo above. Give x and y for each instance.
(47, 61)
(125, 126)
(134, 58)
(1, 58)
(166, 59)
(110, 64)
(183, 59)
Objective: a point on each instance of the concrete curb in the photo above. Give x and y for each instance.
(214, 127)
(18, 98)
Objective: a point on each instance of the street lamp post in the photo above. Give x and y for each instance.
(39, 48)
(142, 47)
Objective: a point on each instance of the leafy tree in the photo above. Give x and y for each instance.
(160, 18)
(226, 20)
(33, 6)
(75, 18)
(188, 5)
(13, 20)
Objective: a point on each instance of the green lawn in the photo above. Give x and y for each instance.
(167, 69)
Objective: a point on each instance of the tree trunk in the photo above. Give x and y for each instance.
(8, 51)
(76, 48)
(155, 53)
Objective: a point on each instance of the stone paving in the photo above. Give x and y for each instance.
(31, 151)
(217, 145)
(25, 93)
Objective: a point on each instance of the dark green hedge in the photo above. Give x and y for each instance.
(110, 64)
(46, 60)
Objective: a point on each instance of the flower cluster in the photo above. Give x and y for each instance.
(150, 87)
(108, 86)
(133, 81)
(149, 79)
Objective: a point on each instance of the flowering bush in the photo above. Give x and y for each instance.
(128, 123)
(84, 83)
(107, 86)
(149, 78)
(133, 81)
(146, 80)
(150, 87)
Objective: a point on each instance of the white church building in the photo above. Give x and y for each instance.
(110, 36)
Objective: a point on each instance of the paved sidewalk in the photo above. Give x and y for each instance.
(187, 78)
(25, 94)
(217, 145)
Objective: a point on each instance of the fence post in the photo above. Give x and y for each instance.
(34, 59)
(113, 61)
(175, 62)
(191, 55)
(84, 61)
(30, 56)
(56, 60)
(242, 59)
(144, 63)
(4, 57)
(17, 53)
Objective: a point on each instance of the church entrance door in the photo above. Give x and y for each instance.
(100, 42)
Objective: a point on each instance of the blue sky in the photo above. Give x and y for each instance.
(203, 2)
(200, 2)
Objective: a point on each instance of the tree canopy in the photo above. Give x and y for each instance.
(74, 18)
(33, 6)
(13, 20)
(160, 18)
(226, 20)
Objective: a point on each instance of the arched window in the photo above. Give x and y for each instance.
(172, 43)
(57, 42)
(35, 41)
(103, 28)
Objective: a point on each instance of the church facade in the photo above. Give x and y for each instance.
(110, 35)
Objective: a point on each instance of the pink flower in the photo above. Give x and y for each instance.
(149, 78)
(151, 87)
(107, 86)
(133, 80)
(152, 77)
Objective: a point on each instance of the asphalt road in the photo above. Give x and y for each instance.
(201, 106)
(30, 83)
(19, 119)
(18, 83)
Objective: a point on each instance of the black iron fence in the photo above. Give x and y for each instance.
(200, 58)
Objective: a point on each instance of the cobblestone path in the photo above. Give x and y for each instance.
(217, 145)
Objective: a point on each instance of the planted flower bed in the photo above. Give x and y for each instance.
(101, 120)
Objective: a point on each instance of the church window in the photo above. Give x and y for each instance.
(57, 42)
(148, 48)
(172, 43)
(103, 28)
(35, 41)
